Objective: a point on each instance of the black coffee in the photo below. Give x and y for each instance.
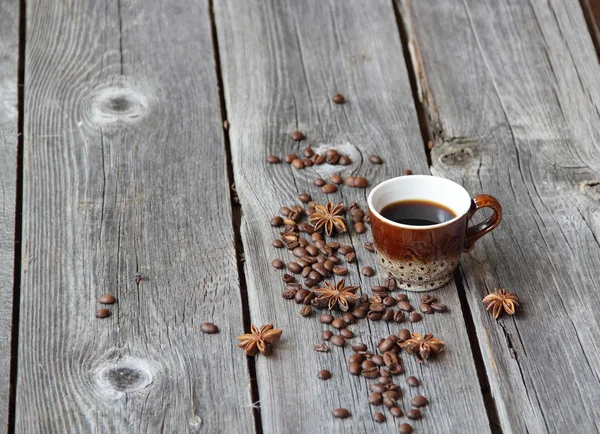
(417, 212)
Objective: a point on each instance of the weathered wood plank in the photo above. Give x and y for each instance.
(512, 90)
(9, 53)
(281, 63)
(126, 172)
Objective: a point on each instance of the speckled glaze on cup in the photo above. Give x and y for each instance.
(422, 258)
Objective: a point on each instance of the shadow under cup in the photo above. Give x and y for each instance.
(422, 258)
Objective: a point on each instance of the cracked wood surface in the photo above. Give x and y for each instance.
(281, 63)
(9, 53)
(125, 171)
(512, 91)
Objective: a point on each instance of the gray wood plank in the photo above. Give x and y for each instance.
(126, 172)
(512, 90)
(9, 53)
(281, 63)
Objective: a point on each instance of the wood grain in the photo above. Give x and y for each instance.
(125, 172)
(512, 90)
(9, 53)
(281, 63)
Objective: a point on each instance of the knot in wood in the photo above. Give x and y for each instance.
(117, 104)
(591, 188)
(128, 376)
(457, 157)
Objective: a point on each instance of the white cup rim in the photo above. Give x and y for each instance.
(415, 177)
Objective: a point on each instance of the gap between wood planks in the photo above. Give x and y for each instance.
(236, 216)
(14, 335)
(427, 133)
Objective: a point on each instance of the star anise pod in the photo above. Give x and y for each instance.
(500, 301)
(259, 340)
(339, 294)
(329, 217)
(422, 346)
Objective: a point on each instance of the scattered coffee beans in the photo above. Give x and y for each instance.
(297, 136)
(289, 158)
(320, 348)
(102, 313)
(338, 323)
(338, 98)
(276, 221)
(419, 401)
(326, 335)
(412, 381)
(319, 182)
(107, 299)
(347, 333)
(278, 244)
(405, 428)
(379, 417)
(396, 412)
(413, 414)
(439, 307)
(427, 299)
(367, 271)
(338, 341)
(324, 374)
(426, 308)
(306, 311)
(298, 164)
(404, 335)
(336, 179)
(361, 182)
(326, 318)
(405, 306)
(375, 398)
(359, 347)
(415, 317)
(208, 328)
(305, 198)
(341, 413)
(354, 368)
(273, 159)
(329, 188)
(278, 263)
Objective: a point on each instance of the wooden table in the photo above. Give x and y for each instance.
(114, 161)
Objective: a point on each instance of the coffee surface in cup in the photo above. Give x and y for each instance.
(417, 212)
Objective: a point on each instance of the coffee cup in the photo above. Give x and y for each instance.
(420, 227)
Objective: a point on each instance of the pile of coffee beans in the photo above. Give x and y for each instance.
(309, 157)
(430, 305)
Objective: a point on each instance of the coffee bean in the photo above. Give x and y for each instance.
(344, 160)
(329, 188)
(331, 153)
(273, 159)
(360, 228)
(389, 402)
(439, 307)
(394, 394)
(405, 428)
(350, 257)
(288, 294)
(208, 328)
(316, 236)
(299, 252)
(319, 182)
(298, 164)
(396, 412)
(375, 159)
(340, 271)
(288, 278)
(294, 267)
(332, 159)
(357, 214)
(419, 401)
(102, 313)
(370, 372)
(379, 417)
(374, 316)
(309, 298)
(367, 364)
(278, 264)
(346, 333)
(402, 297)
(297, 136)
(324, 374)
(318, 159)
(315, 275)
(328, 265)
(306, 271)
(390, 358)
(107, 299)
(389, 301)
(356, 358)
(277, 244)
(399, 316)
(289, 158)
(354, 368)
(308, 152)
(377, 387)
(326, 318)
(396, 369)
(338, 323)
(384, 380)
(405, 306)
(341, 413)
(367, 271)
(361, 182)
(377, 307)
(326, 335)
(343, 250)
(390, 284)
(306, 311)
(413, 414)
(428, 299)
(369, 246)
(276, 221)
(304, 197)
(338, 98)
(359, 313)
(408, 172)
(403, 335)
(377, 359)
(426, 308)
(375, 398)
(320, 348)
(388, 316)
(412, 381)
(350, 181)
(349, 318)
(415, 317)
(301, 295)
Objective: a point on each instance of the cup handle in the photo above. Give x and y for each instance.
(480, 229)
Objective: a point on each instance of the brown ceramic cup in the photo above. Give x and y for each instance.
(422, 258)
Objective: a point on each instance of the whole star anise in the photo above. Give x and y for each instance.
(500, 301)
(329, 217)
(339, 294)
(259, 340)
(422, 346)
